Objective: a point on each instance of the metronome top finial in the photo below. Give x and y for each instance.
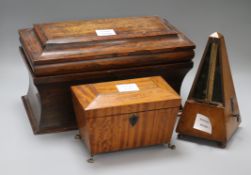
(216, 35)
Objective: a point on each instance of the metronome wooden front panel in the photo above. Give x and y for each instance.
(215, 115)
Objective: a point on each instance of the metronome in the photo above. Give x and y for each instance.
(211, 111)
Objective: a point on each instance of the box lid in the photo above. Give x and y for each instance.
(88, 40)
(125, 96)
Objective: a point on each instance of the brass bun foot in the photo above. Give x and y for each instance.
(90, 160)
(77, 137)
(171, 146)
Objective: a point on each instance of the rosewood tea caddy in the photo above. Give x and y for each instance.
(61, 54)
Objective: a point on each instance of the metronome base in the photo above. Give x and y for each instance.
(222, 126)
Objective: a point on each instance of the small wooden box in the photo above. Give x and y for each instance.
(125, 114)
(61, 54)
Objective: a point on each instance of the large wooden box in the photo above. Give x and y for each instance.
(59, 55)
(125, 114)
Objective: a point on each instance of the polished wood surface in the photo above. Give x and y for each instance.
(105, 96)
(72, 54)
(103, 114)
(217, 99)
(217, 119)
(84, 31)
(55, 68)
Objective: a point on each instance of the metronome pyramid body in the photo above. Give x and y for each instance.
(211, 111)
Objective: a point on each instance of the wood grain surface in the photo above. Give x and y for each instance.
(103, 114)
(61, 54)
(136, 36)
(223, 112)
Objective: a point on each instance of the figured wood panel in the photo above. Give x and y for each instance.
(102, 99)
(147, 35)
(84, 31)
(103, 49)
(116, 133)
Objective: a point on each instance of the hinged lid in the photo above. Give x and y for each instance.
(125, 96)
(65, 47)
(74, 33)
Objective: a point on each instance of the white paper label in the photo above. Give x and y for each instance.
(127, 87)
(105, 32)
(203, 123)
